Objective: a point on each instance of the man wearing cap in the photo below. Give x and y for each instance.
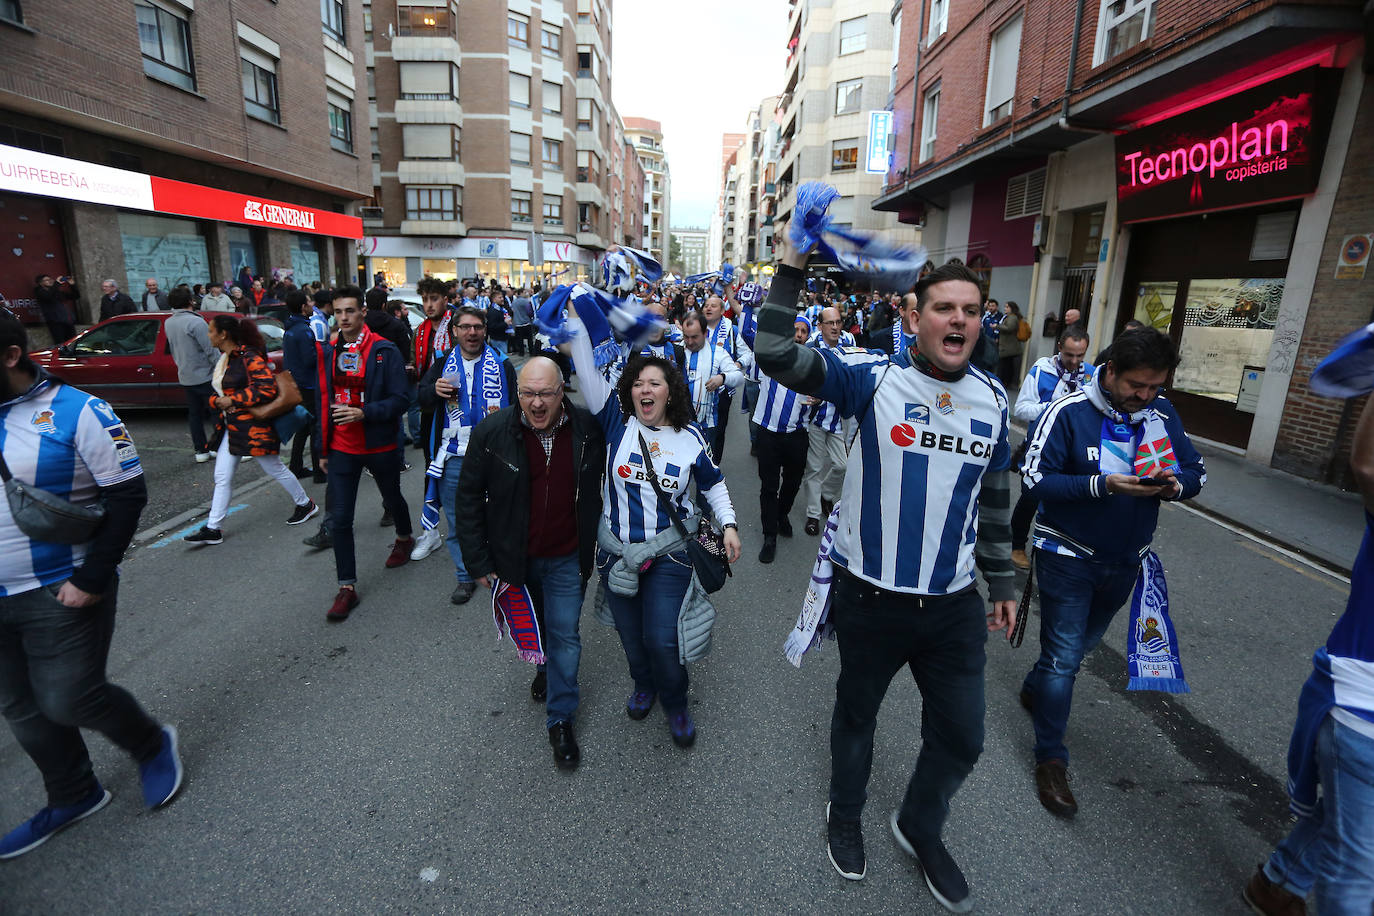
(215, 300)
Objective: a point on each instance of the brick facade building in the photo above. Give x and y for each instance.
(1191, 166)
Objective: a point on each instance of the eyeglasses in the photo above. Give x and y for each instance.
(833, 321)
(540, 395)
(472, 328)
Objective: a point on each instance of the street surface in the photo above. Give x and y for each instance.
(395, 762)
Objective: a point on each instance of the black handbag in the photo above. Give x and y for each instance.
(707, 549)
(46, 516)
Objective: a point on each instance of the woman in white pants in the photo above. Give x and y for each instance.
(243, 379)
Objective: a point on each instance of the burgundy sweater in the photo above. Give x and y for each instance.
(553, 520)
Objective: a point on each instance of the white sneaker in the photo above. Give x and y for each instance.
(428, 542)
(202, 457)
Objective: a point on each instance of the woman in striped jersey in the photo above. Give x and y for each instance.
(647, 577)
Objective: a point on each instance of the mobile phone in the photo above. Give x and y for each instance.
(1154, 481)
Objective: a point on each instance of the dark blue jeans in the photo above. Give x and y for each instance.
(52, 685)
(345, 470)
(647, 624)
(943, 640)
(198, 412)
(1078, 599)
(555, 584)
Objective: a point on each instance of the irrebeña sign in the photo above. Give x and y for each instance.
(28, 172)
(1261, 144)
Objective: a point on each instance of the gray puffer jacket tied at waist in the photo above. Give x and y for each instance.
(697, 615)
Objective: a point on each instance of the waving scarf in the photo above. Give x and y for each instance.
(513, 610)
(604, 316)
(622, 270)
(861, 256)
(813, 623)
(900, 338)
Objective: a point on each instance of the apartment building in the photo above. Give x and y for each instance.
(721, 239)
(496, 151)
(692, 250)
(1206, 170)
(163, 139)
(647, 138)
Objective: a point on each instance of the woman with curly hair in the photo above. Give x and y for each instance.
(649, 587)
(243, 379)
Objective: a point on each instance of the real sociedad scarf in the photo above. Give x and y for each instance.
(487, 395)
(900, 338)
(1072, 380)
(861, 256)
(813, 623)
(1152, 659)
(513, 611)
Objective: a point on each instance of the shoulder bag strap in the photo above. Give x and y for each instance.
(658, 489)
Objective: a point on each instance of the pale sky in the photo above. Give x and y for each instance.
(699, 67)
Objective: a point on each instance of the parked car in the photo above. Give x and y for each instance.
(127, 361)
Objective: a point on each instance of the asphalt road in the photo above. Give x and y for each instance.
(395, 762)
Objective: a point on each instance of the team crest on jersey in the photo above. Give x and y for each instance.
(944, 403)
(918, 413)
(125, 452)
(654, 450)
(43, 422)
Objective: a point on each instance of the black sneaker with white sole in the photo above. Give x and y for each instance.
(942, 874)
(845, 846)
(206, 535)
(303, 513)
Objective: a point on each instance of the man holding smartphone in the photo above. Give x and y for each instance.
(1100, 461)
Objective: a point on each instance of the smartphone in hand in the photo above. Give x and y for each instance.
(1154, 481)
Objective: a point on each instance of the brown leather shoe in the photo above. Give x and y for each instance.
(1269, 899)
(1020, 560)
(400, 552)
(1052, 783)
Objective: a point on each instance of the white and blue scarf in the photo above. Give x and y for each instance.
(813, 623)
(489, 393)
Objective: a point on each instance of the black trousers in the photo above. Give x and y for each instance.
(943, 641)
(198, 413)
(311, 404)
(782, 462)
(722, 420)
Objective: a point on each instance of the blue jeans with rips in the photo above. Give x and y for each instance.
(647, 624)
(1331, 853)
(555, 584)
(1078, 599)
(53, 684)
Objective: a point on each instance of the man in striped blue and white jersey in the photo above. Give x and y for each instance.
(825, 449)
(710, 373)
(780, 416)
(57, 600)
(720, 335)
(925, 488)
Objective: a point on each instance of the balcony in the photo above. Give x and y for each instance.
(436, 227)
(428, 111)
(426, 47)
(587, 237)
(430, 171)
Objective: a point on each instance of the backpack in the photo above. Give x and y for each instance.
(1023, 330)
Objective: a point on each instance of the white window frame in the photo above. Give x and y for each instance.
(450, 204)
(343, 143)
(1106, 22)
(545, 86)
(861, 39)
(553, 203)
(993, 107)
(158, 66)
(839, 90)
(939, 20)
(930, 121)
(515, 79)
(853, 143)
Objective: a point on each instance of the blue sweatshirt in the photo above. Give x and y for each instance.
(1076, 511)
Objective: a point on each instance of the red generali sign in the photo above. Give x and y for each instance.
(1262, 144)
(29, 172)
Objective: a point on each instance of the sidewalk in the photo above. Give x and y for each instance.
(1309, 518)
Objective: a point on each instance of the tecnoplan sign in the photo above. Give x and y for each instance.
(1261, 144)
(879, 148)
(28, 172)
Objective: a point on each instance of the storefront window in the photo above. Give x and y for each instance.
(243, 254)
(1154, 305)
(440, 269)
(305, 259)
(393, 270)
(1228, 325)
(520, 273)
(172, 251)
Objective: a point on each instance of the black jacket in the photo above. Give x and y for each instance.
(118, 304)
(493, 501)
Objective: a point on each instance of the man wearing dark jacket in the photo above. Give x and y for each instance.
(362, 393)
(298, 355)
(56, 314)
(1100, 462)
(114, 302)
(537, 527)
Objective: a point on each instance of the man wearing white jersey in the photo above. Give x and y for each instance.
(710, 373)
(780, 416)
(720, 335)
(927, 473)
(825, 446)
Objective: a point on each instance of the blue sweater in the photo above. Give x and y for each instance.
(1062, 469)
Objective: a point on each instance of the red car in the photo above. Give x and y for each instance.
(126, 359)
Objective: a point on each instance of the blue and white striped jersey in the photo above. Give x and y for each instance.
(319, 325)
(701, 366)
(680, 457)
(824, 414)
(909, 507)
(779, 409)
(71, 444)
(1045, 383)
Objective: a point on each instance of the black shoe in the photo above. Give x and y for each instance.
(1025, 697)
(943, 877)
(304, 513)
(206, 535)
(769, 550)
(299, 472)
(462, 593)
(785, 527)
(387, 521)
(813, 527)
(319, 476)
(320, 540)
(845, 846)
(754, 449)
(566, 753)
(539, 687)
(827, 507)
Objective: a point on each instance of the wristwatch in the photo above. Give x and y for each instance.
(729, 525)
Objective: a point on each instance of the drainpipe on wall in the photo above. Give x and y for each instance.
(915, 89)
(1073, 61)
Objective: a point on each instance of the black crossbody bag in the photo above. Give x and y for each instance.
(46, 516)
(707, 549)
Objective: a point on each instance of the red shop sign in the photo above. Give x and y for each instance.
(1258, 145)
(212, 203)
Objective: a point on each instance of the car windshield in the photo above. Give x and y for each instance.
(118, 338)
(272, 333)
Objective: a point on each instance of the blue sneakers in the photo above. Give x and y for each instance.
(683, 729)
(161, 776)
(639, 704)
(36, 830)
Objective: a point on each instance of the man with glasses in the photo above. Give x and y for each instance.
(825, 447)
(711, 374)
(537, 527)
(462, 389)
